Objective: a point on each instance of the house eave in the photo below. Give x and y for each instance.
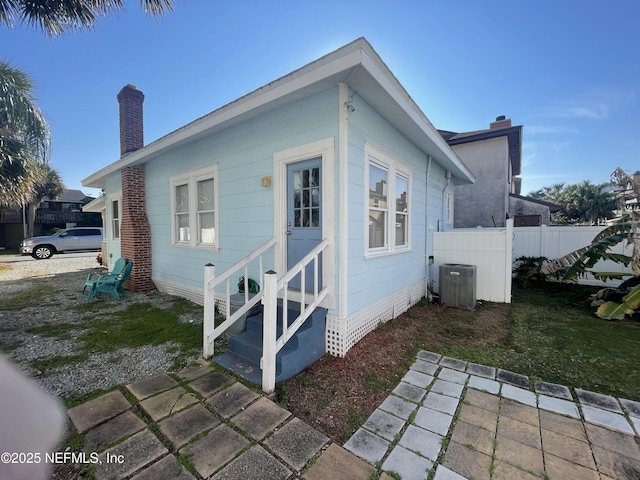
(357, 65)
(95, 205)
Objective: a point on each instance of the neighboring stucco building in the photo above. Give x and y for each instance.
(495, 158)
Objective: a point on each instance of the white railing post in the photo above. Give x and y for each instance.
(270, 302)
(209, 311)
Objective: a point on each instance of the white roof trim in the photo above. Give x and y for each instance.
(340, 63)
(95, 205)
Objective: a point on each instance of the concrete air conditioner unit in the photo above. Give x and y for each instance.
(458, 285)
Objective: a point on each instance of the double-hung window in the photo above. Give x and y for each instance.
(388, 203)
(194, 216)
(115, 207)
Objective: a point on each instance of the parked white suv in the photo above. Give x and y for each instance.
(75, 239)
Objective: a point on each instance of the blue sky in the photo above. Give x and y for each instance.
(566, 70)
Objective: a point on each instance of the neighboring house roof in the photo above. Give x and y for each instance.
(513, 134)
(71, 196)
(356, 64)
(553, 207)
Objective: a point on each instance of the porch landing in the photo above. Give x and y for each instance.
(304, 348)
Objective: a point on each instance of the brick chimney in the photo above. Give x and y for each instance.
(501, 122)
(130, 100)
(135, 232)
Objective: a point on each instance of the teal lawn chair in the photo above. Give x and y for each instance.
(111, 284)
(92, 278)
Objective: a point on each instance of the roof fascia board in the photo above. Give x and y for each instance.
(385, 78)
(322, 68)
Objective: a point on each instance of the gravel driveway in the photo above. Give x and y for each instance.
(59, 282)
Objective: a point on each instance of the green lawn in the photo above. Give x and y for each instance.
(555, 336)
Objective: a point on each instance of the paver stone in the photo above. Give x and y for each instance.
(167, 467)
(367, 445)
(519, 411)
(384, 424)
(296, 443)
(453, 363)
(518, 454)
(232, 399)
(336, 459)
(192, 372)
(184, 425)
(607, 419)
(472, 436)
(598, 400)
(406, 464)
(215, 449)
(504, 471)
(171, 401)
(210, 384)
(613, 441)
(137, 451)
(616, 465)
(102, 436)
(512, 378)
(98, 410)
(425, 443)
(424, 367)
(562, 425)
(553, 389)
(434, 421)
(150, 386)
(410, 392)
(481, 370)
(429, 356)
(260, 418)
(519, 431)
(482, 400)
(467, 462)
(254, 464)
(478, 417)
(567, 448)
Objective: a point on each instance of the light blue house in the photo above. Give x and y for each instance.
(334, 151)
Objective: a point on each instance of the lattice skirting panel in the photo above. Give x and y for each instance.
(344, 334)
(196, 295)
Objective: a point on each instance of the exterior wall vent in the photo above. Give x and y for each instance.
(458, 285)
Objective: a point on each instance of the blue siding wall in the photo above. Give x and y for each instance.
(377, 277)
(244, 155)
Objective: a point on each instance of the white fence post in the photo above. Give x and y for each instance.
(508, 261)
(270, 315)
(209, 311)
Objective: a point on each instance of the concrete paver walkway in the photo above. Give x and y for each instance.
(446, 420)
(468, 421)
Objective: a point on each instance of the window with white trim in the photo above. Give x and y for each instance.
(115, 212)
(194, 218)
(388, 203)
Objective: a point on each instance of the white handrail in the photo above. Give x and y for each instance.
(241, 263)
(210, 331)
(270, 344)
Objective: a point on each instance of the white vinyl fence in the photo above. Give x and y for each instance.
(489, 249)
(555, 242)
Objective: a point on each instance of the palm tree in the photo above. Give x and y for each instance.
(47, 183)
(56, 17)
(24, 135)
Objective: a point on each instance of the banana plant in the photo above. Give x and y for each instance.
(578, 263)
(617, 311)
